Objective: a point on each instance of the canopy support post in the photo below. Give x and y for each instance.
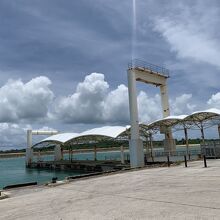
(202, 134)
(187, 140)
(219, 130)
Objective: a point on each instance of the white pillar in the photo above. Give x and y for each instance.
(57, 153)
(122, 154)
(29, 156)
(169, 141)
(29, 150)
(29, 138)
(135, 143)
(133, 105)
(164, 100)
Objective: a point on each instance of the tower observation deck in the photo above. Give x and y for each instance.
(149, 68)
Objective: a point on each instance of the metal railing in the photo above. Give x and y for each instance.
(211, 149)
(135, 63)
(175, 153)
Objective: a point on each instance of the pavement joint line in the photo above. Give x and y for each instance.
(151, 200)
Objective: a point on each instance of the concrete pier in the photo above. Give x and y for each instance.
(82, 166)
(158, 193)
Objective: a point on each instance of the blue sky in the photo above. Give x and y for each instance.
(63, 63)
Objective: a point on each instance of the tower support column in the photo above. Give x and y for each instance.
(135, 143)
(169, 142)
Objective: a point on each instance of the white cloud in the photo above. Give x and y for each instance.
(93, 102)
(12, 136)
(25, 101)
(86, 104)
(116, 105)
(188, 42)
(181, 105)
(190, 29)
(149, 107)
(214, 101)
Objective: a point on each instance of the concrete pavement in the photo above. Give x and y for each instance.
(157, 193)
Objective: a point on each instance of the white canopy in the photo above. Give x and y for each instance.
(197, 116)
(168, 121)
(115, 131)
(203, 115)
(61, 138)
(106, 131)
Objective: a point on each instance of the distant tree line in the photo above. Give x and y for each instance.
(103, 144)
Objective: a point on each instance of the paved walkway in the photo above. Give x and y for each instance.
(158, 193)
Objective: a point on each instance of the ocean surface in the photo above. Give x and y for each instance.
(13, 170)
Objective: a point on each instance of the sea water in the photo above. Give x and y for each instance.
(13, 170)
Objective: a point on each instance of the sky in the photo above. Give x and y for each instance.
(63, 63)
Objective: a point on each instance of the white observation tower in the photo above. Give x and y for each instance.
(150, 74)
